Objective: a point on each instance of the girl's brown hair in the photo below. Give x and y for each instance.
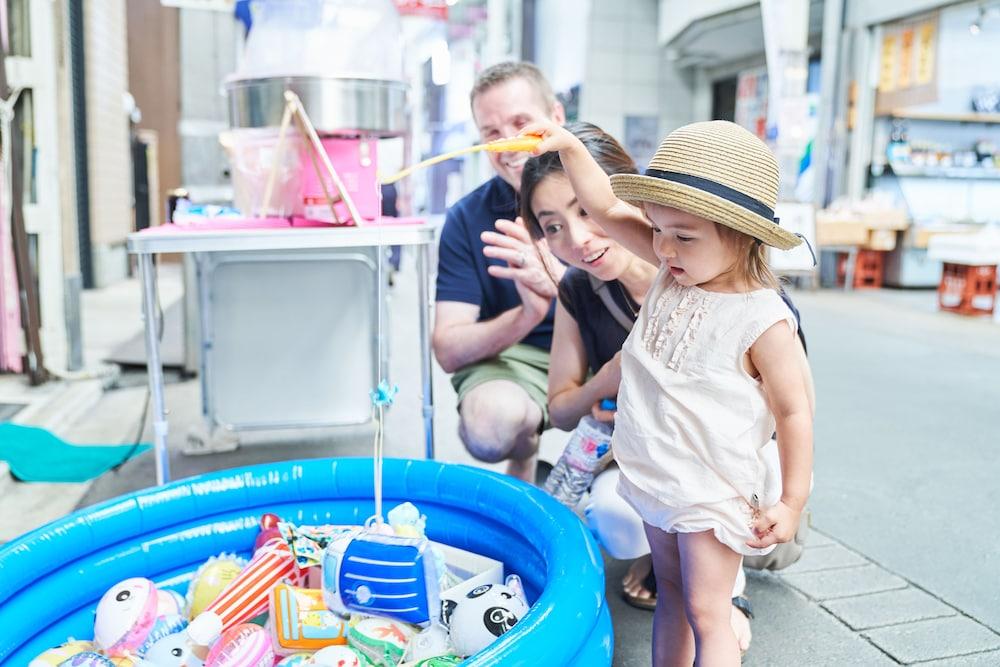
(604, 148)
(751, 258)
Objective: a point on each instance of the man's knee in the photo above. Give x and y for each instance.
(496, 419)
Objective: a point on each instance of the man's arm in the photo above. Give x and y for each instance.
(459, 340)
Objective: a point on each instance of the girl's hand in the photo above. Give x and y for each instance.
(773, 525)
(554, 137)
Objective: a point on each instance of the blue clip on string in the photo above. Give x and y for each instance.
(383, 395)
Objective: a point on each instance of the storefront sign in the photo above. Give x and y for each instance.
(907, 67)
(435, 9)
(751, 100)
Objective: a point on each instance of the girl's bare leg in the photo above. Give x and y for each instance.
(708, 571)
(673, 641)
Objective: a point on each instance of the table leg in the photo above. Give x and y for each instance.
(154, 367)
(426, 371)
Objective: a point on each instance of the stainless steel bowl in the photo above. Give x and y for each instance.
(335, 106)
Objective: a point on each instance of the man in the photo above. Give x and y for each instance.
(493, 318)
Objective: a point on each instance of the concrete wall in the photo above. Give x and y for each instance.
(209, 43)
(676, 15)
(623, 73)
(109, 161)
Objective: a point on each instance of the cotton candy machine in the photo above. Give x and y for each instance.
(343, 61)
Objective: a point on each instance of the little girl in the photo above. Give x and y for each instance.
(709, 372)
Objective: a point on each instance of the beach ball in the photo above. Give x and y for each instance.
(243, 645)
(209, 580)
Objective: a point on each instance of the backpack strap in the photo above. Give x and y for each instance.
(601, 290)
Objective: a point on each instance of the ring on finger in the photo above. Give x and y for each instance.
(522, 259)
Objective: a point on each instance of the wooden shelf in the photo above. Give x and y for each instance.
(971, 117)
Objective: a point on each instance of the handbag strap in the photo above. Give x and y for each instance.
(601, 290)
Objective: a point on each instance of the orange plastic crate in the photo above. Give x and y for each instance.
(968, 290)
(869, 268)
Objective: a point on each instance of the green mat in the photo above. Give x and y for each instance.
(35, 455)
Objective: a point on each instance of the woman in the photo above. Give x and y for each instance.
(599, 299)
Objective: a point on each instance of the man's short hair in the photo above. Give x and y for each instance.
(501, 72)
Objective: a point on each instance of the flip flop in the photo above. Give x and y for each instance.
(641, 602)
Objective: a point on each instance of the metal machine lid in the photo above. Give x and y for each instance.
(336, 106)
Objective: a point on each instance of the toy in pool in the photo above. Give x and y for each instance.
(93, 659)
(381, 640)
(432, 641)
(170, 603)
(339, 656)
(483, 614)
(384, 575)
(171, 651)
(125, 616)
(56, 656)
(296, 660)
(247, 595)
(209, 580)
(299, 621)
(243, 645)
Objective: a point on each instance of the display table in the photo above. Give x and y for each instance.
(275, 236)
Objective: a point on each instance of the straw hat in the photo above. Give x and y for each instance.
(716, 170)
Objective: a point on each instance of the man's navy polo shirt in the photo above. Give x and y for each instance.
(462, 265)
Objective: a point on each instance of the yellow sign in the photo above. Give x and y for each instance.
(887, 73)
(905, 79)
(925, 54)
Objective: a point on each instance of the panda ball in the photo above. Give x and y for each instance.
(486, 612)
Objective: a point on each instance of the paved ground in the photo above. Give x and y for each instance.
(901, 565)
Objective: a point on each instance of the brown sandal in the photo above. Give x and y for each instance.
(640, 601)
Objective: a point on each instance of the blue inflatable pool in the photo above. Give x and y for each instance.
(52, 578)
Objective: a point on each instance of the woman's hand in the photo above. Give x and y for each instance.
(773, 525)
(554, 137)
(529, 264)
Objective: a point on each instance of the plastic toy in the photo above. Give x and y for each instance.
(299, 621)
(246, 596)
(125, 615)
(209, 580)
(169, 603)
(483, 614)
(296, 660)
(385, 575)
(429, 643)
(381, 640)
(171, 651)
(268, 529)
(243, 645)
(56, 656)
(339, 656)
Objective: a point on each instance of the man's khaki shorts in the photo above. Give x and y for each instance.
(525, 365)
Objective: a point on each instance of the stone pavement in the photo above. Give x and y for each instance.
(901, 565)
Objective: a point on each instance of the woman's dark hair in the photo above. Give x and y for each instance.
(604, 148)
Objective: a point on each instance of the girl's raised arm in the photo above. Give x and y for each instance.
(622, 221)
